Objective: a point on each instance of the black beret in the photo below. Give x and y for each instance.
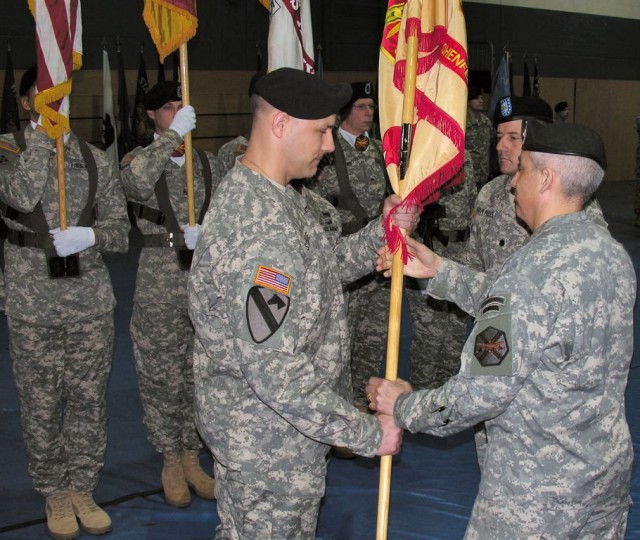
(566, 139)
(361, 90)
(301, 94)
(474, 92)
(28, 80)
(522, 108)
(161, 93)
(561, 106)
(256, 77)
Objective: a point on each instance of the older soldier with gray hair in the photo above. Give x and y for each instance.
(271, 360)
(546, 364)
(60, 311)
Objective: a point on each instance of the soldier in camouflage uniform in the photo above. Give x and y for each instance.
(271, 357)
(154, 180)
(353, 178)
(547, 362)
(61, 330)
(478, 135)
(440, 327)
(495, 231)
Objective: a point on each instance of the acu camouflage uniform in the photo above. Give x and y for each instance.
(61, 330)
(324, 212)
(495, 234)
(478, 143)
(367, 299)
(271, 354)
(546, 368)
(161, 331)
(440, 327)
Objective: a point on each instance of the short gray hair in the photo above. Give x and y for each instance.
(579, 176)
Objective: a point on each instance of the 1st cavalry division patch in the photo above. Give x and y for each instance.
(267, 303)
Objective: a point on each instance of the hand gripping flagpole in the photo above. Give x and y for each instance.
(188, 164)
(397, 275)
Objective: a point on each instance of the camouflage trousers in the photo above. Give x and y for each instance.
(61, 373)
(533, 519)
(162, 336)
(247, 513)
(368, 311)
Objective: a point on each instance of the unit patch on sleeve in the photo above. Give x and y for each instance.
(267, 303)
(492, 350)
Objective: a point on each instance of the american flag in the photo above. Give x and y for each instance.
(273, 279)
(58, 52)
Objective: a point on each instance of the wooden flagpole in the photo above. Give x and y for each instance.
(184, 82)
(62, 194)
(397, 275)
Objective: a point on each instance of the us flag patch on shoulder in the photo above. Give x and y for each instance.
(9, 147)
(273, 279)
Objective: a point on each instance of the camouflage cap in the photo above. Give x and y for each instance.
(522, 108)
(161, 93)
(566, 139)
(302, 95)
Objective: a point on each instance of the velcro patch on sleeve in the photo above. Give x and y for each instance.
(492, 350)
(273, 279)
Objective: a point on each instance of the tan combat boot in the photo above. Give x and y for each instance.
(176, 491)
(201, 482)
(61, 521)
(93, 519)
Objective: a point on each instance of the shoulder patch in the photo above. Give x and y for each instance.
(266, 311)
(273, 279)
(491, 347)
(7, 147)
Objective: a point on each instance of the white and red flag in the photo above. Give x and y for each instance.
(437, 119)
(290, 34)
(58, 53)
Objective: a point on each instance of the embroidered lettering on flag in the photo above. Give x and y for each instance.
(273, 279)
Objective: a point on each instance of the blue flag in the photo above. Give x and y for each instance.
(501, 87)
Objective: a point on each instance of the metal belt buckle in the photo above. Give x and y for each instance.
(63, 267)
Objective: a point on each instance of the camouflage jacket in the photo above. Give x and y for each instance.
(31, 178)
(366, 178)
(545, 366)
(478, 144)
(271, 354)
(160, 279)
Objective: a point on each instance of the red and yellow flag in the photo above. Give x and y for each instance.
(58, 52)
(440, 105)
(171, 23)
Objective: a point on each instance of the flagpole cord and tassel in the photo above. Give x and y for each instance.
(188, 163)
(397, 276)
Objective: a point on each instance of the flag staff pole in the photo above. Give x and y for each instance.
(188, 164)
(62, 194)
(397, 275)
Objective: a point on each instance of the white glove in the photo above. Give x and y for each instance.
(184, 121)
(191, 235)
(72, 240)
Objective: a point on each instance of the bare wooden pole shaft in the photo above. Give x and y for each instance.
(397, 273)
(188, 163)
(62, 194)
